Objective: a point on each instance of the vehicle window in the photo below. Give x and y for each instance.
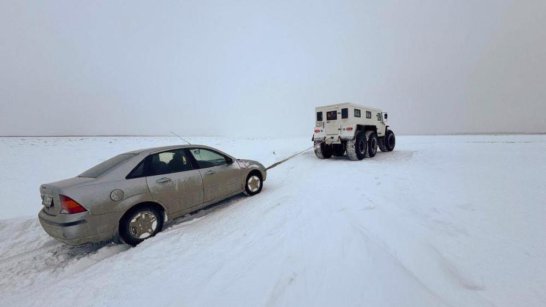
(357, 112)
(319, 116)
(378, 116)
(368, 114)
(344, 113)
(105, 166)
(207, 158)
(332, 115)
(169, 162)
(138, 171)
(166, 162)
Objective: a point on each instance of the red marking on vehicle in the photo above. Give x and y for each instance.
(70, 206)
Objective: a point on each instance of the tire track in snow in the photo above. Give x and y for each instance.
(54, 258)
(29, 255)
(462, 279)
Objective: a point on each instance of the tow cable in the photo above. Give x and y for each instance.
(286, 159)
(269, 167)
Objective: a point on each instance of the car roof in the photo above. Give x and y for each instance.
(147, 151)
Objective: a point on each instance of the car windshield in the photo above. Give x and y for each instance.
(103, 167)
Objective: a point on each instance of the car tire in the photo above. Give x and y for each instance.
(253, 183)
(356, 148)
(371, 136)
(323, 151)
(139, 224)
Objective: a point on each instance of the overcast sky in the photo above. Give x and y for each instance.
(249, 68)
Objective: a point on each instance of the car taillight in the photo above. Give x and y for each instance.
(349, 129)
(317, 130)
(70, 206)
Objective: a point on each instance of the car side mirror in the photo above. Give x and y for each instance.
(229, 160)
(386, 115)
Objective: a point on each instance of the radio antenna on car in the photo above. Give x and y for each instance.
(183, 139)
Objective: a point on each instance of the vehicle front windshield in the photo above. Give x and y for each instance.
(105, 166)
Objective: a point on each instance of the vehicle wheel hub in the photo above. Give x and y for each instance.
(253, 183)
(143, 225)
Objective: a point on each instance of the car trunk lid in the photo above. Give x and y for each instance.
(50, 193)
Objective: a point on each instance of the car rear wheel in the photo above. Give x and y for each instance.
(140, 224)
(253, 184)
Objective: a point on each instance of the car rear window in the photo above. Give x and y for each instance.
(319, 116)
(105, 166)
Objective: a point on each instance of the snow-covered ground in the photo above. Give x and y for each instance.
(442, 220)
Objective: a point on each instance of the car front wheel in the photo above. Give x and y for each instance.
(253, 184)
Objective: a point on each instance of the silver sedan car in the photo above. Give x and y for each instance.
(131, 196)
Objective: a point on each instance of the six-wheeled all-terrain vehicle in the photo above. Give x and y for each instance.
(352, 129)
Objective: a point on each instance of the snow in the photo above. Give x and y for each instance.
(441, 221)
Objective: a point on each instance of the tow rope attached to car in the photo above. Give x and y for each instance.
(286, 159)
(269, 167)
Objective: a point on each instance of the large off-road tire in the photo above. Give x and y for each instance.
(338, 150)
(356, 148)
(323, 151)
(390, 140)
(382, 144)
(253, 183)
(387, 142)
(371, 136)
(139, 224)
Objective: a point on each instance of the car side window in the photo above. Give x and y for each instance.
(169, 162)
(138, 171)
(166, 162)
(207, 158)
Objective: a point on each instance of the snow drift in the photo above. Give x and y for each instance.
(454, 221)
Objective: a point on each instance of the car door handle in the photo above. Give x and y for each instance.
(163, 180)
(209, 173)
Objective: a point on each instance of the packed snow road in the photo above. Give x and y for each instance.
(441, 221)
